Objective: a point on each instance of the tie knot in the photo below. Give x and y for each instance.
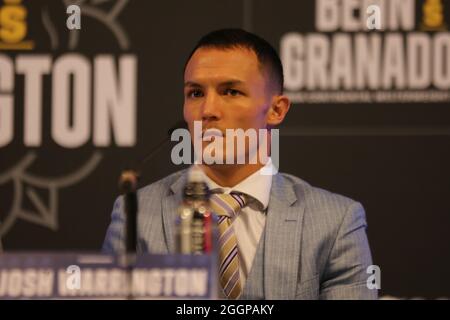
(227, 204)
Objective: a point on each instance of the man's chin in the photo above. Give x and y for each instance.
(219, 166)
(216, 161)
(218, 158)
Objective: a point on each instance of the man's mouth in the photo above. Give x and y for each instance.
(212, 132)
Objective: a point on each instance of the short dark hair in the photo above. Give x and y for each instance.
(237, 38)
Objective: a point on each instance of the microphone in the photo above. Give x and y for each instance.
(181, 124)
(128, 184)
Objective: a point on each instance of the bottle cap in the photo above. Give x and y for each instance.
(195, 175)
(196, 188)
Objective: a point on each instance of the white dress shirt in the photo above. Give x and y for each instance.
(249, 224)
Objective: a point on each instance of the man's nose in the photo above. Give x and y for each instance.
(211, 107)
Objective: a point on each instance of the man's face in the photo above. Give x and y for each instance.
(225, 89)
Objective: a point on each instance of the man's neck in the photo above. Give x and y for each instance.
(230, 175)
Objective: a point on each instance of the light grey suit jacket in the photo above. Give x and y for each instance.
(314, 245)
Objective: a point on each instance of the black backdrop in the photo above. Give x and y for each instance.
(392, 156)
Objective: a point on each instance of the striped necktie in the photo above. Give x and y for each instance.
(227, 207)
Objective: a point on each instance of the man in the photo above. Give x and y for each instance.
(293, 241)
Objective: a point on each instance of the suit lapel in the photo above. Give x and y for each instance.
(169, 207)
(282, 240)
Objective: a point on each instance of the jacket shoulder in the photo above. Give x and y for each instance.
(161, 187)
(323, 202)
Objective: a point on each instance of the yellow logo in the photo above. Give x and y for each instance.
(13, 26)
(433, 15)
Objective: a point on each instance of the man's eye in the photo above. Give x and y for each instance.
(195, 94)
(232, 92)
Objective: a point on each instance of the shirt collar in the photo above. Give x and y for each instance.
(256, 185)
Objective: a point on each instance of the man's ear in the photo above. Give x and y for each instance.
(278, 110)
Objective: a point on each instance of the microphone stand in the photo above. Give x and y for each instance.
(128, 185)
